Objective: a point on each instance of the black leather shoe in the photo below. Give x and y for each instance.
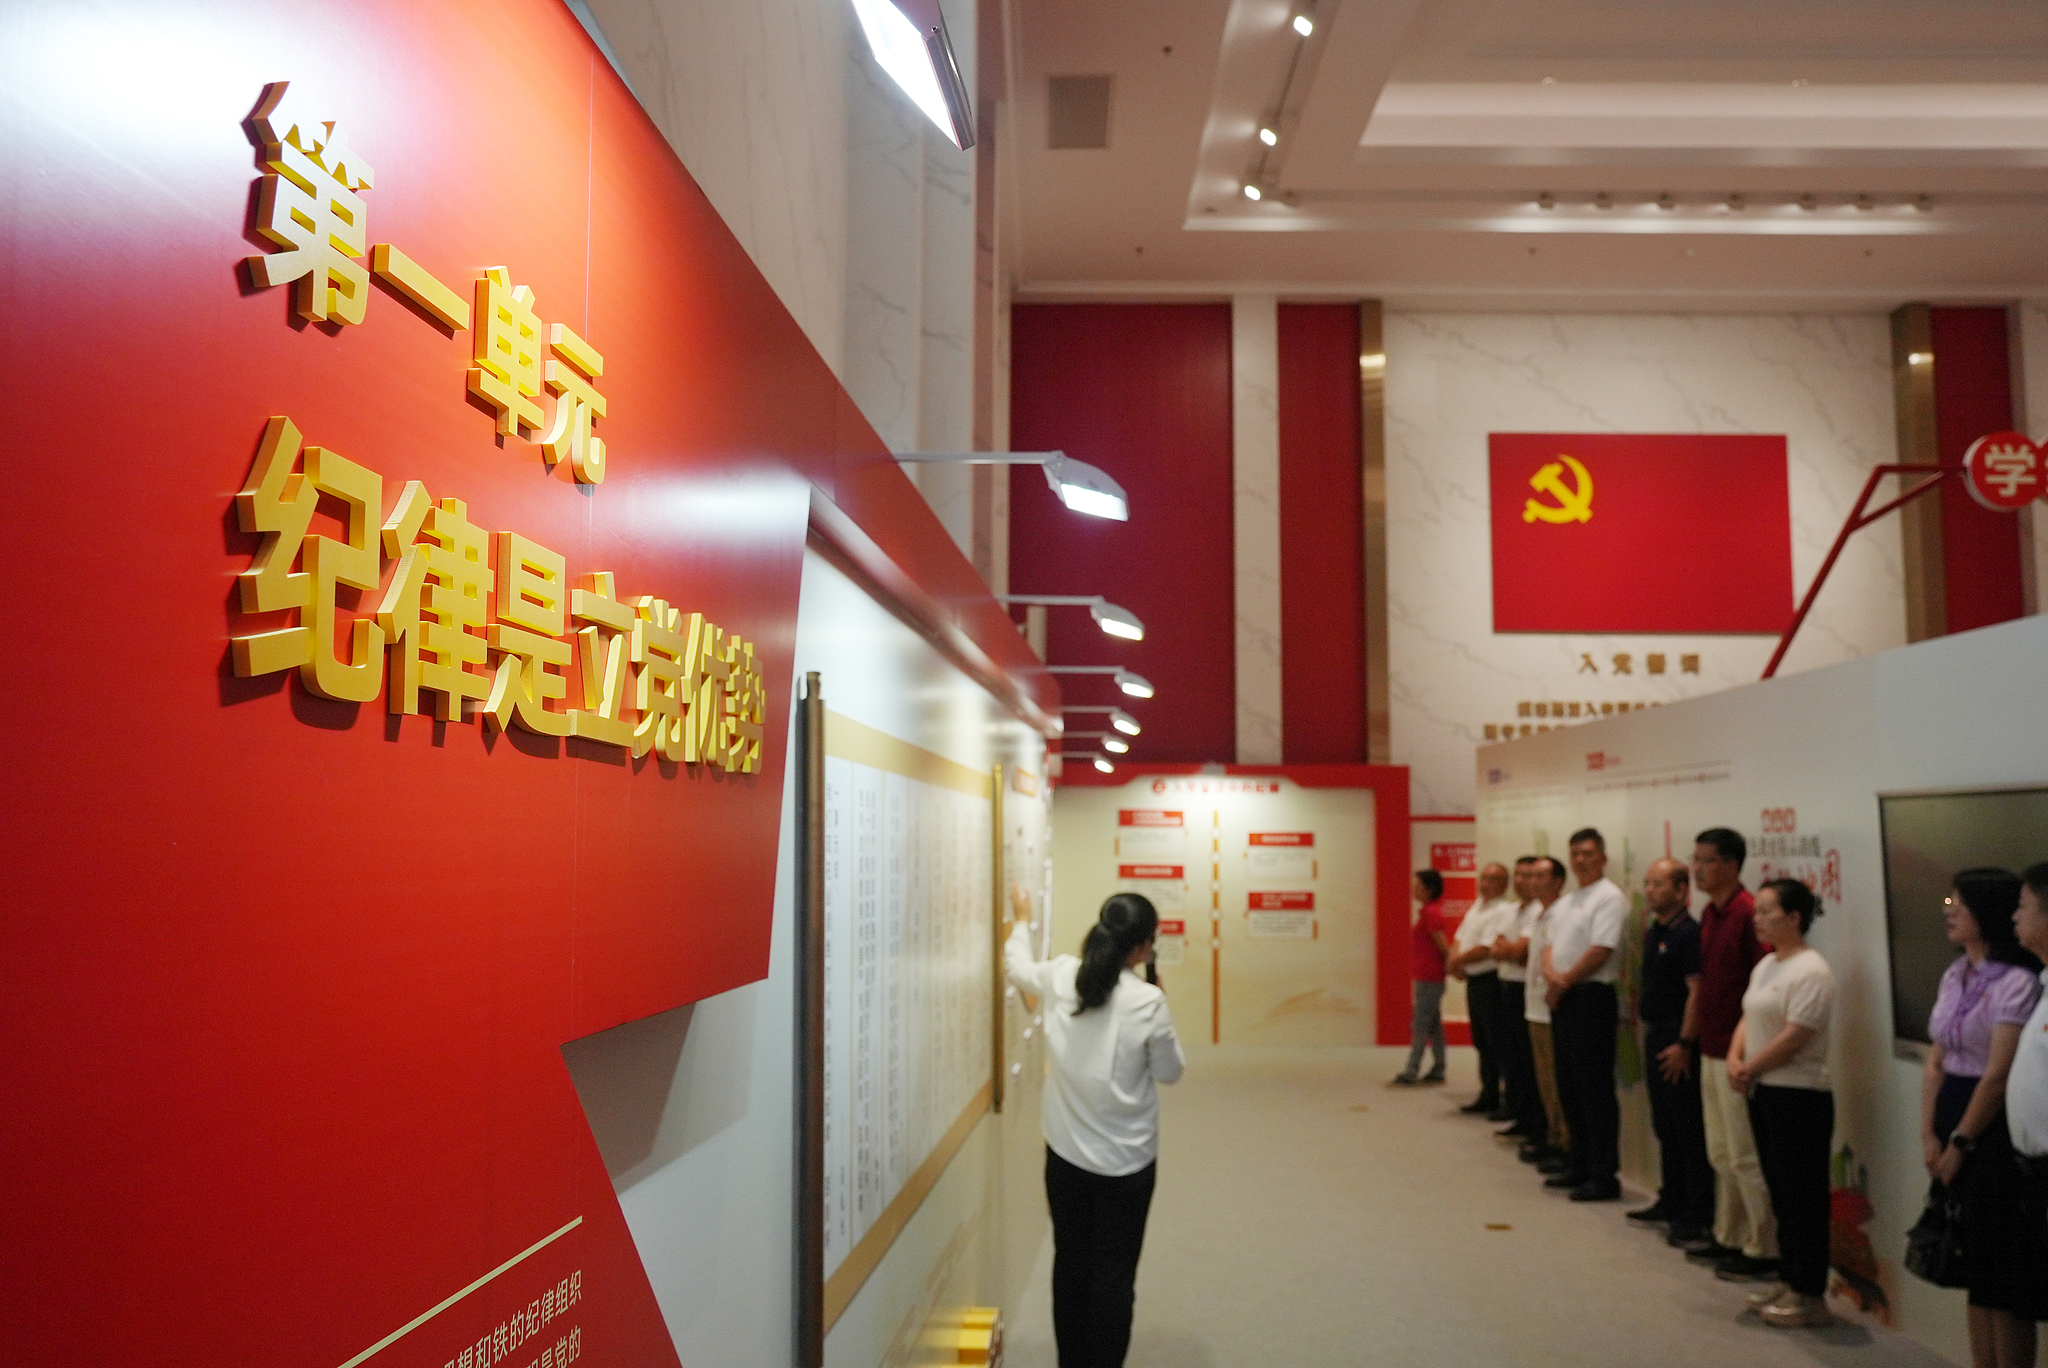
(1688, 1237)
(1653, 1214)
(1516, 1131)
(1742, 1268)
(1479, 1106)
(1503, 1114)
(1532, 1154)
(1565, 1180)
(1597, 1192)
(1555, 1164)
(1711, 1253)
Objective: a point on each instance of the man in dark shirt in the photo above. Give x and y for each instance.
(1745, 1245)
(1670, 977)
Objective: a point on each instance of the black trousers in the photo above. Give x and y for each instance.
(1098, 1228)
(1482, 1006)
(1517, 1064)
(1583, 1024)
(1794, 1128)
(1688, 1179)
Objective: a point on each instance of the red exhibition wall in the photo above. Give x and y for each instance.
(1322, 537)
(288, 976)
(1973, 396)
(1143, 391)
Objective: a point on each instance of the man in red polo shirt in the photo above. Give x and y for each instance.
(1427, 950)
(1745, 1246)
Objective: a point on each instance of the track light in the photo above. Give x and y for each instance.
(1132, 683)
(1080, 486)
(1111, 742)
(1118, 718)
(1304, 25)
(1118, 622)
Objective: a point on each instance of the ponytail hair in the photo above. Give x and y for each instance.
(1796, 899)
(1127, 921)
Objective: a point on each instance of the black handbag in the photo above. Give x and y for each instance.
(1934, 1246)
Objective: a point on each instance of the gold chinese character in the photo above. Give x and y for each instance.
(1525, 729)
(1523, 709)
(507, 374)
(661, 655)
(1492, 732)
(1654, 662)
(1689, 664)
(531, 617)
(1607, 709)
(435, 612)
(1622, 662)
(279, 503)
(309, 206)
(1541, 730)
(1543, 710)
(577, 407)
(746, 699)
(1574, 710)
(604, 654)
(1586, 665)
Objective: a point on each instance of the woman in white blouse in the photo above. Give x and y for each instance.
(1111, 1040)
(1779, 1056)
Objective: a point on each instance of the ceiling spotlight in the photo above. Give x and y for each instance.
(1666, 202)
(1251, 192)
(1304, 25)
(1924, 203)
(1737, 203)
(1603, 200)
(1268, 137)
(1118, 622)
(1546, 200)
(1809, 202)
(1865, 203)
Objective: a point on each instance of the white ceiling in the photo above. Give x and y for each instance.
(1544, 153)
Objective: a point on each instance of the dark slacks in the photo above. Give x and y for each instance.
(1518, 1065)
(1482, 1006)
(1098, 1229)
(1794, 1128)
(1584, 1024)
(1675, 1114)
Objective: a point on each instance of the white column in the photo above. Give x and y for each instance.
(1255, 480)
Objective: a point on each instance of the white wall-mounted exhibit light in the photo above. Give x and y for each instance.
(1269, 137)
(1118, 718)
(1080, 486)
(1304, 25)
(1102, 764)
(1118, 622)
(1131, 682)
(1252, 192)
(921, 63)
(1111, 742)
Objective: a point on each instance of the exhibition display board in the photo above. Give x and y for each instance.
(466, 464)
(1271, 884)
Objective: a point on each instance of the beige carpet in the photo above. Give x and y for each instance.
(1308, 1215)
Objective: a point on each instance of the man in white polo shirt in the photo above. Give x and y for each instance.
(1579, 969)
(1472, 961)
(2026, 1084)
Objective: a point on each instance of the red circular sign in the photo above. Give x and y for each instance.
(2004, 471)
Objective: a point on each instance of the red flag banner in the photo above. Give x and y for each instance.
(1607, 532)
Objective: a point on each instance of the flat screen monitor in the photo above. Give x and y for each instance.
(1927, 838)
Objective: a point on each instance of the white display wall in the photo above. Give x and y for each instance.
(1797, 765)
(1821, 380)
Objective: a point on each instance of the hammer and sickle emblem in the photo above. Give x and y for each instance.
(1573, 504)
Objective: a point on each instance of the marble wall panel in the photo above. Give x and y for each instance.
(1255, 545)
(1823, 381)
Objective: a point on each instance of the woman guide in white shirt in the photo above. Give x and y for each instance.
(1112, 1042)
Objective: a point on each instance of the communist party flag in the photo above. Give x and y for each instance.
(1606, 532)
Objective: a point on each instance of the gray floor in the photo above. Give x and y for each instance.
(1308, 1215)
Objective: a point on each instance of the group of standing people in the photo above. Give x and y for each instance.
(1735, 1008)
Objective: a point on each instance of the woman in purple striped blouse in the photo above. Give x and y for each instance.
(1985, 997)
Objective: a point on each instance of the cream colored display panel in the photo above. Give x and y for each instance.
(1269, 884)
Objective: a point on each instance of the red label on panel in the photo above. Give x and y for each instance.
(1146, 817)
(1281, 902)
(1453, 857)
(1282, 838)
(1582, 532)
(1173, 928)
(1145, 871)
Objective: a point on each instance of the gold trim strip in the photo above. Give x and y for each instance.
(417, 1321)
(846, 739)
(855, 1268)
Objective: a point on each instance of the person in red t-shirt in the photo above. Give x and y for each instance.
(1428, 947)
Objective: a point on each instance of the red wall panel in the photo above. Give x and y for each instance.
(1322, 537)
(1142, 390)
(1973, 396)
